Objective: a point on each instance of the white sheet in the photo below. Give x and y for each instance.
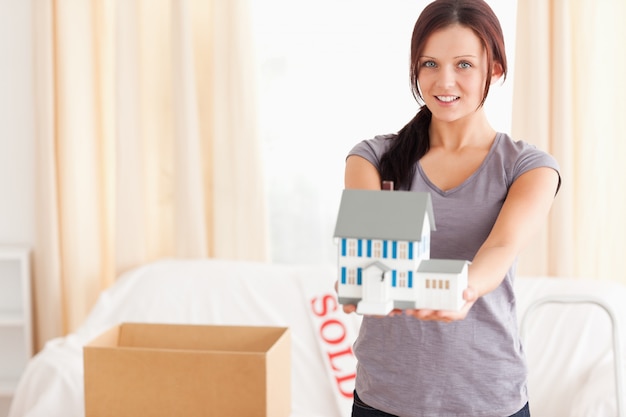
(568, 347)
(204, 292)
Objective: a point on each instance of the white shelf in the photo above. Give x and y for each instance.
(16, 339)
(11, 318)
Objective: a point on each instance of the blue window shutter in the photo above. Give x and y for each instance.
(411, 244)
(343, 247)
(343, 274)
(369, 248)
(359, 277)
(360, 248)
(394, 278)
(410, 279)
(394, 249)
(384, 249)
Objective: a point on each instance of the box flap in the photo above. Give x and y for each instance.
(106, 339)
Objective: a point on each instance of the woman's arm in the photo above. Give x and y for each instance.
(524, 212)
(361, 174)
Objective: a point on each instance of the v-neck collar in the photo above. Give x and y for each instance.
(467, 180)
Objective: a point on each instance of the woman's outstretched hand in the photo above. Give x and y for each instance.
(469, 295)
(446, 316)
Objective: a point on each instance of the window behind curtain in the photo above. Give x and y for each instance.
(330, 74)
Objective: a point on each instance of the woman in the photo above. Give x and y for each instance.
(490, 195)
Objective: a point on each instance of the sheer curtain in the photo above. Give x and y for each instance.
(146, 144)
(332, 73)
(568, 99)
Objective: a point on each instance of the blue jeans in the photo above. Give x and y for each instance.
(360, 409)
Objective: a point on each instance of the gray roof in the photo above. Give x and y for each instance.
(448, 266)
(385, 215)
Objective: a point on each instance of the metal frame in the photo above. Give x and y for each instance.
(617, 352)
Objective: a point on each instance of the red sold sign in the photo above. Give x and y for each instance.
(336, 332)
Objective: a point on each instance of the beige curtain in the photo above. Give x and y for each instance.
(569, 99)
(146, 144)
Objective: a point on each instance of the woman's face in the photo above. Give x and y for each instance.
(452, 73)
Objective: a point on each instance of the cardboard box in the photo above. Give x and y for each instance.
(136, 370)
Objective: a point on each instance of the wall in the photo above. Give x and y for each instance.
(17, 141)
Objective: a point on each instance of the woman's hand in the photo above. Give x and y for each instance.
(351, 308)
(347, 308)
(446, 316)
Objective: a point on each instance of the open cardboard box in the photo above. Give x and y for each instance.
(159, 370)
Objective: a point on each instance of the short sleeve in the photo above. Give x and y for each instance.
(372, 149)
(529, 157)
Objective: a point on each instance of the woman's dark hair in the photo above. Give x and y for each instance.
(412, 141)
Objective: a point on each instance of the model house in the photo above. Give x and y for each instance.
(383, 240)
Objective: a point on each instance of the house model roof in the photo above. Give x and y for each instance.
(385, 215)
(444, 266)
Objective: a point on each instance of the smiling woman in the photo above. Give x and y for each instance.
(491, 194)
(331, 73)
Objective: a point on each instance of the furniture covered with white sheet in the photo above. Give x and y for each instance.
(569, 346)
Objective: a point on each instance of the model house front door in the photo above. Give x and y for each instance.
(376, 286)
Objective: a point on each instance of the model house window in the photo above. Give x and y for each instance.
(351, 276)
(351, 247)
(403, 252)
(378, 249)
(402, 281)
(437, 284)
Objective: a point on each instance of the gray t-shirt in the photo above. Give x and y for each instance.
(474, 367)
